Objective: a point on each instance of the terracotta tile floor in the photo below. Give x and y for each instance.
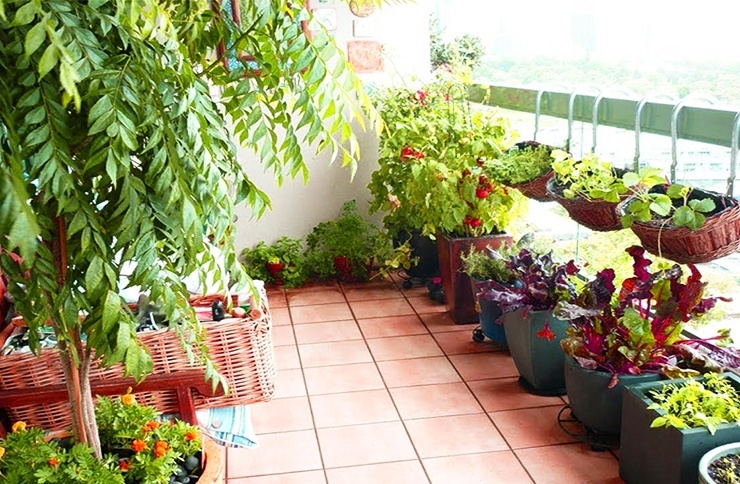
(377, 385)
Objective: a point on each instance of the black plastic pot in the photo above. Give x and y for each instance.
(539, 361)
(597, 406)
(666, 455)
(425, 249)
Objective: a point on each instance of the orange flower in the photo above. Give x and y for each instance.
(2, 452)
(149, 426)
(191, 435)
(138, 445)
(18, 427)
(53, 462)
(124, 465)
(160, 448)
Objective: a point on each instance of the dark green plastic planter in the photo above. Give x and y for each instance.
(489, 313)
(663, 455)
(597, 406)
(538, 361)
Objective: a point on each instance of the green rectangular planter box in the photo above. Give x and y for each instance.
(663, 455)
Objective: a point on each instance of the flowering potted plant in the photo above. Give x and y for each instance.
(533, 333)
(282, 262)
(138, 446)
(628, 337)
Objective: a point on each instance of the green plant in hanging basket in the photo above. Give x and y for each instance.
(590, 177)
(676, 204)
(522, 163)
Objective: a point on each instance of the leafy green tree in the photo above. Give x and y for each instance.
(119, 126)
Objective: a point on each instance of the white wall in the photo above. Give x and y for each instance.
(297, 208)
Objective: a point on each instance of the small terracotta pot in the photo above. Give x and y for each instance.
(275, 269)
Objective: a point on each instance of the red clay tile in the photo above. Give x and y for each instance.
(320, 313)
(418, 371)
(308, 477)
(565, 464)
(531, 427)
(371, 292)
(459, 342)
(356, 408)
(373, 309)
(403, 347)
(308, 298)
(280, 316)
(286, 357)
(343, 378)
(336, 353)
(435, 401)
(406, 472)
(460, 434)
(507, 394)
(490, 467)
(281, 415)
(289, 383)
(277, 453)
(364, 444)
(391, 326)
(327, 332)
(481, 366)
(276, 298)
(313, 285)
(424, 305)
(283, 335)
(415, 291)
(442, 323)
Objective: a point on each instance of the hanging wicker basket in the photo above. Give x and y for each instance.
(597, 215)
(718, 237)
(537, 188)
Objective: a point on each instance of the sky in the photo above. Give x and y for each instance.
(635, 31)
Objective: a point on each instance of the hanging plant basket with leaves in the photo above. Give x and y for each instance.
(527, 166)
(683, 224)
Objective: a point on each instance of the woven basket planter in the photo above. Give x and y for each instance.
(718, 237)
(595, 214)
(240, 348)
(537, 188)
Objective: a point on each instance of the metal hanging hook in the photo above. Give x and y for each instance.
(733, 156)
(571, 104)
(538, 105)
(652, 96)
(706, 98)
(595, 114)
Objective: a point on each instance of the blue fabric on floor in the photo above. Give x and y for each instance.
(228, 426)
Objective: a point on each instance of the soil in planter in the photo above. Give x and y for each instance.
(726, 469)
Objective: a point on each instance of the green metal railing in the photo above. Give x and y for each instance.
(695, 117)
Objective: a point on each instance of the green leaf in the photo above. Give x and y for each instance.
(661, 205)
(684, 217)
(111, 310)
(94, 274)
(677, 190)
(25, 14)
(630, 179)
(34, 38)
(48, 60)
(704, 205)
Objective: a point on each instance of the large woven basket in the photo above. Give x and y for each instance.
(597, 215)
(718, 237)
(536, 189)
(241, 349)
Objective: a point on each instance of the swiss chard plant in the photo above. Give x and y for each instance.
(637, 329)
(541, 282)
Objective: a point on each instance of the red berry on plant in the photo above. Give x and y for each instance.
(483, 179)
(465, 173)
(479, 161)
(481, 192)
(475, 222)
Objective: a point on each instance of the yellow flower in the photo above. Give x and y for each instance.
(128, 398)
(18, 427)
(2, 452)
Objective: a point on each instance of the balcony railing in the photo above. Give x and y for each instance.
(695, 117)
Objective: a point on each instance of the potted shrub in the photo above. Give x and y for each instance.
(533, 333)
(349, 246)
(624, 337)
(435, 177)
(527, 166)
(720, 465)
(138, 446)
(282, 262)
(684, 224)
(668, 426)
(589, 189)
(481, 266)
